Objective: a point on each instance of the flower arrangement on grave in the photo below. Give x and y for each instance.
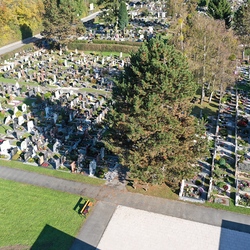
(241, 123)
(244, 200)
(243, 185)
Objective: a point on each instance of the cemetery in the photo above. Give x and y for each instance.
(227, 172)
(53, 111)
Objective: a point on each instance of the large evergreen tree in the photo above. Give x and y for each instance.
(242, 22)
(61, 20)
(150, 126)
(220, 9)
(110, 11)
(122, 16)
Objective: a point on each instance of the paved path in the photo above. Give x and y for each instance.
(109, 197)
(18, 44)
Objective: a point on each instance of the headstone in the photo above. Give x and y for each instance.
(92, 168)
(23, 145)
(5, 146)
(30, 126)
(15, 110)
(57, 94)
(55, 117)
(47, 111)
(7, 120)
(40, 160)
(24, 108)
(20, 120)
(102, 153)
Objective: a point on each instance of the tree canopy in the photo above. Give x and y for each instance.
(61, 20)
(242, 22)
(122, 16)
(110, 11)
(220, 9)
(19, 19)
(150, 126)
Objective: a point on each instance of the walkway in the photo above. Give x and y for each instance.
(108, 198)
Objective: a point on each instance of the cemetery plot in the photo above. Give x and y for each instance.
(243, 156)
(223, 163)
(61, 127)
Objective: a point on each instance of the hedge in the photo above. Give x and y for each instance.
(129, 43)
(102, 47)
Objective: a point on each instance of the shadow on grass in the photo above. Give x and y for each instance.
(206, 111)
(53, 239)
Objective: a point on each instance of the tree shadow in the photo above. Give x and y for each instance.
(52, 238)
(26, 31)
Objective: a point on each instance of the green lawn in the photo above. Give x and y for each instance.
(54, 173)
(208, 109)
(28, 213)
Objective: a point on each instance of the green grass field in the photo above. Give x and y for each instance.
(35, 216)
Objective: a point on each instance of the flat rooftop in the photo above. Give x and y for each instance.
(133, 229)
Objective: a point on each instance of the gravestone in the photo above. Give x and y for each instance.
(7, 120)
(15, 110)
(20, 120)
(55, 117)
(46, 111)
(102, 153)
(30, 126)
(23, 145)
(92, 168)
(24, 108)
(5, 146)
(40, 160)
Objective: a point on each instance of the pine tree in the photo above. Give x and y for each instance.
(220, 9)
(122, 16)
(61, 21)
(242, 22)
(150, 126)
(110, 10)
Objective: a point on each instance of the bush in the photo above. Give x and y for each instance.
(222, 162)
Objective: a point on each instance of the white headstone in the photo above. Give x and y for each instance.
(24, 107)
(20, 120)
(30, 126)
(23, 145)
(57, 94)
(7, 120)
(17, 85)
(92, 167)
(47, 111)
(55, 117)
(5, 146)
(15, 110)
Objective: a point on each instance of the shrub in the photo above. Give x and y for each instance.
(222, 162)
